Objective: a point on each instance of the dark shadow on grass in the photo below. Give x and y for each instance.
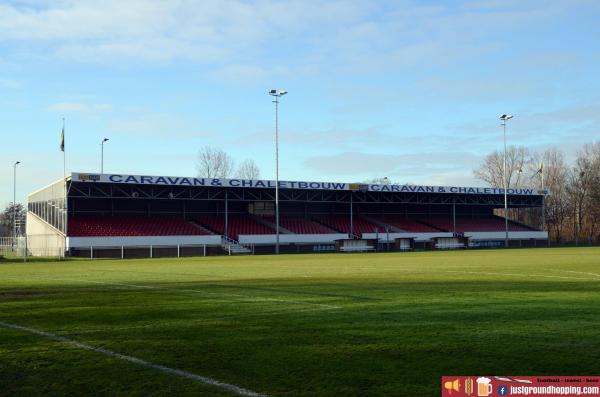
(398, 343)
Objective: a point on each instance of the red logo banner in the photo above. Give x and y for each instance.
(537, 386)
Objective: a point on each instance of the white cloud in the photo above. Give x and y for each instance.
(357, 34)
(9, 84)
(241, 74)
(405, 165)
(156, 124)
(341, 138)
(79, 107)
(164, 30)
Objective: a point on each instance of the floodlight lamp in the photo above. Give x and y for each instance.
(18, 162)
(277, 92)
(105, 139)
(505, 117)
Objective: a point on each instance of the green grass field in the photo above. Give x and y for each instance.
(298, 325)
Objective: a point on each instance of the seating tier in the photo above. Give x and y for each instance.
(300, 225)
(236, 225)
(408, 224)
(490, 224)
(122, 226)
(341, 223)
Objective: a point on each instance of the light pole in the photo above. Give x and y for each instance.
(14, 209)
(504, 118)
(102, 155)
(519, 172)
(277, 94)
(541, 171)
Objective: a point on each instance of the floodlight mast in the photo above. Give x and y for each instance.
(102, 155)
(277, 94)
(14, 207)
(504, 118)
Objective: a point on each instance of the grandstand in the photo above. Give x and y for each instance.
(104, 226)
(400, 224)
(342, 223)
(130, 215)
(299, 225)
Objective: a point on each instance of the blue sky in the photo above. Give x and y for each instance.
(405, 89)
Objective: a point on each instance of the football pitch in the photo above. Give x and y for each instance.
(386, 324)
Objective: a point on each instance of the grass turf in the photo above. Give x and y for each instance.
(300, 325)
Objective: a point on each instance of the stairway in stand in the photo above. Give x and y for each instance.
(233, 247)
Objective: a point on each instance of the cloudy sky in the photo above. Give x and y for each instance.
(405, 89)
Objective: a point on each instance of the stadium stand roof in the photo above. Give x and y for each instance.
(135, 210)
(301, 185)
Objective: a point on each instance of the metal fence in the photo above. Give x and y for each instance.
(16, 248)
(143, 251)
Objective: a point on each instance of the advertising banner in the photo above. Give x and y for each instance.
(539, 386)
(302, 185)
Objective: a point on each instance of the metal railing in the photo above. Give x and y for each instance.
(17, 248)
(138, 251)
(233, 246)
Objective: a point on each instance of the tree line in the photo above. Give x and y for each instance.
(572, 206)
(12, 212)
(215, 163)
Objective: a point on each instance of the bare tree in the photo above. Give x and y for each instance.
(12, 211)
(381, 181)
(594, 197)
(572, 208)
(491, 170)
(214, 163)
(557, 209)
(248, 170)
(582, 187)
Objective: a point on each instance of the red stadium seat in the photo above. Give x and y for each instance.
(106, 226)
(236, 225)
(341, 223)
(407, 224)
(487, 224)
(122, 226)
(300, 225)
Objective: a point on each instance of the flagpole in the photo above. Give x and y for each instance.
(64, 156)
(65, 210)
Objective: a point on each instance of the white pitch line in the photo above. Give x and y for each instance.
(428, 271)
(195, 291)
(240, 391)
(572, 271)
(519, 275)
